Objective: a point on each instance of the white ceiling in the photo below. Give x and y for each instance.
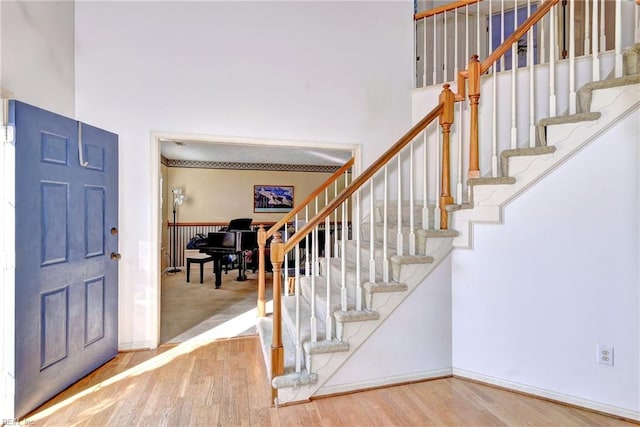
(252, 153)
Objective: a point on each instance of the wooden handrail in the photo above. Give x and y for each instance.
(363, 178)
(515, 36)
(444, 8)
(337, 174)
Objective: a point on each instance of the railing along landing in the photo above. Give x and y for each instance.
(533, 71)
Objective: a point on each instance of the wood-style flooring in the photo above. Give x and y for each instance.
(223, 383)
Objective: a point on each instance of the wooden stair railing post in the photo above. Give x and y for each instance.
(447, 98)
(262, 241)
(474, 97)
(277, 350)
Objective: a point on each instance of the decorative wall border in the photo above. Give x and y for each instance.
(248, 166)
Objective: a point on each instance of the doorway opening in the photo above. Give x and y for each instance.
(217, 175)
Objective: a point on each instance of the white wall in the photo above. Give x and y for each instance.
(537, 294)
(412, 344)
(307, 71)
(38, 53)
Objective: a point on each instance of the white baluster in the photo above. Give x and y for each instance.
(603, 36)
(445, 76)
(595, 57)
(356, 225)
(335, 221)
(307, 249)
(412, 234)
(424, 52)
(343, 259)
(502, 64)
(314, 275)
(587, 33)
(618, 36)
(455, 42)
(327, 275)
(317, 258)
(285, 268)
(435, 45)
(399, 242)
(297, 294)
(514, 67)
(436, 212)
(532, 92)
(458, 128)
(385, 229)
(372, 259)
(552, 62)
(543, 48)
(494, 124)
(636, 37)
(425, 184)
(466, 32)
(478, 28)
(327, 227)
(514, 130)
(572, 58)
(494, 106)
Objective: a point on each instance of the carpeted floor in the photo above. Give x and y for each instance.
(191, 309)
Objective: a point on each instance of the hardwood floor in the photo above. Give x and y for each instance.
(223, 383)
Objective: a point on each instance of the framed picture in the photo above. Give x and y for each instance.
(272, 198)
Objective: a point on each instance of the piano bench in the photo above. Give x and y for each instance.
(200, 261)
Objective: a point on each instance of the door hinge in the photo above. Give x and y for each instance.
(7, 134)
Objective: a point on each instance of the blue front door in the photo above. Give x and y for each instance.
(66, 252)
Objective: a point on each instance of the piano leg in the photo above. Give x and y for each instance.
(217, 270)
(241, 268)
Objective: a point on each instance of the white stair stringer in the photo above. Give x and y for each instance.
(355, 331)
(487, 201)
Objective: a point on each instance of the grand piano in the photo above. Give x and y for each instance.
(237, 239)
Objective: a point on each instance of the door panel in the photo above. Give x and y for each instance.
(66, 282)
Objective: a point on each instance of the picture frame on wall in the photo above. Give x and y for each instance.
(272, 198)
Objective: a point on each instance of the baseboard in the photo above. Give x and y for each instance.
(549, 394)
(383, 382)
(135, 345)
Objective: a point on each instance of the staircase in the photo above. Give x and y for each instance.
(369, 280)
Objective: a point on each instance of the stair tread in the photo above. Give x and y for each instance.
(501, 180)
(376, 287)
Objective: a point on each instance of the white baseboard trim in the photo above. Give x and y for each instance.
(383, 382)
(135, 345)
(549, 394)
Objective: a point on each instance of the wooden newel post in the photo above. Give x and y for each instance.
(262, 242)
(474, 97)
(447, 98)
(277, 351)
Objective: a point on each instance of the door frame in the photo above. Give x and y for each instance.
(7, 271)
(156, 138)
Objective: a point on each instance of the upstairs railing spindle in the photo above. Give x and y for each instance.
(532, 92)
(595, 57)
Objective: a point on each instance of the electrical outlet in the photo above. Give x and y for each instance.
(605, 354)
